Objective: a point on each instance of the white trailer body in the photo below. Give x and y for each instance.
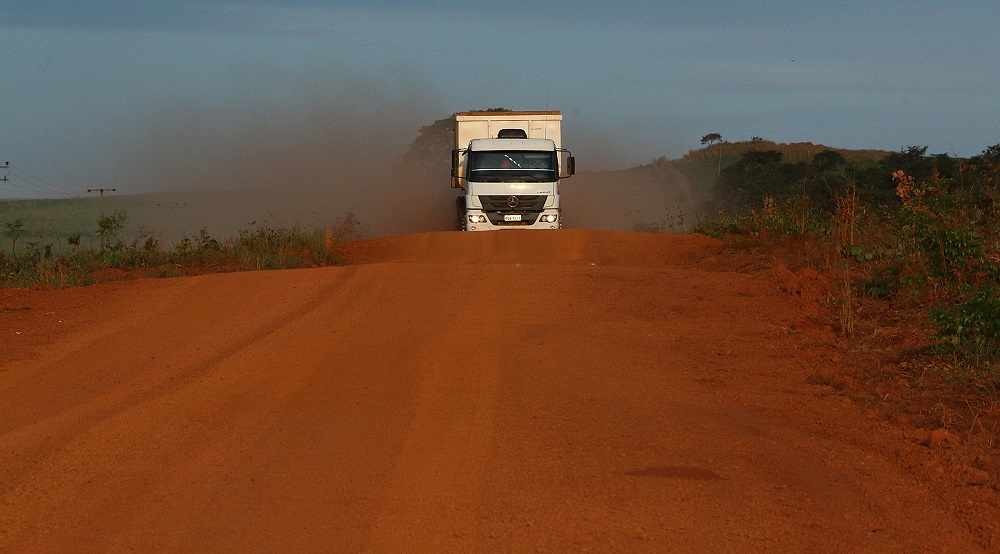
(509, 166)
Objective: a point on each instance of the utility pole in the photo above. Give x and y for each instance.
(102, 191)
(6, 166)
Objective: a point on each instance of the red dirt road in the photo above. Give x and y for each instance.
(502, 391)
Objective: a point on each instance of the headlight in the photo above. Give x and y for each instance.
(477, 218)
(549, 218)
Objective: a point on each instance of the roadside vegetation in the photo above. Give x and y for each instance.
(33, 261)
(910, 240)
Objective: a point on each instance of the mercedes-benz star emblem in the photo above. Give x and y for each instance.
(512, 201)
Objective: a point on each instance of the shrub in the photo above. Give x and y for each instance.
(931, 244)
(970, 328)
(941, 260)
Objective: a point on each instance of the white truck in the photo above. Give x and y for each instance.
(508, 166)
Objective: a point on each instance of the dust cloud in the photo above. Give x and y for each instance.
(611, 191)
(309, 158)
(652, 197)
(333, 146)
(603, 195)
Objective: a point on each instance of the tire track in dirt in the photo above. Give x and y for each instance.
(155, 360)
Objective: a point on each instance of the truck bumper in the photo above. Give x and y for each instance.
(478, 220)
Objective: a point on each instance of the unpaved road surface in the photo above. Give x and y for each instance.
(510, 391)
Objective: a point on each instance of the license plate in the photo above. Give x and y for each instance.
(512, 217)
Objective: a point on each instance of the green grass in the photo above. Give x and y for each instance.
(264, 245)
(51, 221)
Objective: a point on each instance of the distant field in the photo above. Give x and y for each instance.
(53, 221)
(164, 216)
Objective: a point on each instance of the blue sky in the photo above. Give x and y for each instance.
(92, 91)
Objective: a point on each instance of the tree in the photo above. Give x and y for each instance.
(713, 138)
(828, 160)
(759, 175)
(756, 159)
(431, 150)
(982, 176)
(984, 169)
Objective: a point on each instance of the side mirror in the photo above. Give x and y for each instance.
(454, 163)
(570, 165)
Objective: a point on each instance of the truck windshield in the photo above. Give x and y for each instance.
(512, 166)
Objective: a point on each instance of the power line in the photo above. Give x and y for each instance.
(16, 184)
(37, 182)
(17, 178)
(19, 168)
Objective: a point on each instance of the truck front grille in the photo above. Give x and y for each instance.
(524, 203)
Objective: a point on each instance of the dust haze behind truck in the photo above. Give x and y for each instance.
(509, 166)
